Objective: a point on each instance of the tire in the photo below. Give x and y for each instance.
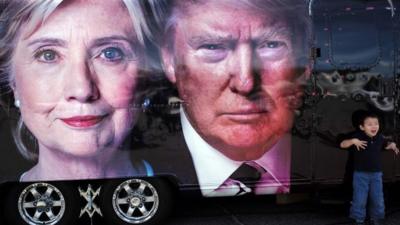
(41, 203)
(137, 201)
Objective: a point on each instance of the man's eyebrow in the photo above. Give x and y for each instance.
(281, 31)
(204, 39)
(106, 40)
(271, 32)
(47, 41)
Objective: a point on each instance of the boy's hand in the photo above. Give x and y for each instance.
(393, 147)
(360, 145)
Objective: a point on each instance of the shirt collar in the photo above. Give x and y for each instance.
(364, 136)
(213, 168)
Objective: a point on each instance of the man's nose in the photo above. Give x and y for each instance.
(243, 74)
(80, 82)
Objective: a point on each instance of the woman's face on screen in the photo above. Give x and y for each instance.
(75, 76)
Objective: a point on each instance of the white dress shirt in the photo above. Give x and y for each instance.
(213, 168)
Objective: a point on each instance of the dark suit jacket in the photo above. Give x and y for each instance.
(168, 154)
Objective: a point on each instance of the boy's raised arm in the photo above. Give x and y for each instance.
(392, 146)
(354, 141)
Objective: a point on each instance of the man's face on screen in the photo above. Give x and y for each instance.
(236, 71)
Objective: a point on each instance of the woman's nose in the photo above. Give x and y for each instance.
(80, 82)
(243, 74)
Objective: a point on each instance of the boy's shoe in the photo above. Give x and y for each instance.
(358, 223)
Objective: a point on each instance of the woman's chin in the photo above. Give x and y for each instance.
(83, 152)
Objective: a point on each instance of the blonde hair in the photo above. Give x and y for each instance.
(33, 13)
(294, 12)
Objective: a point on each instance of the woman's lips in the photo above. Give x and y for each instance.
(83, 121)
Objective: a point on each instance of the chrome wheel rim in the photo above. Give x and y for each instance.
(41, 203)
(135, 201)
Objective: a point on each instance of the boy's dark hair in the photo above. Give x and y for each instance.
(356, 118)
(365, 115)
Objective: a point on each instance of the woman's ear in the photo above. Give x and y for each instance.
(17, 101)
(168, 63)
(13, 87)
(11, 84)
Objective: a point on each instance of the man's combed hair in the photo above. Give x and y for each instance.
(167, 14)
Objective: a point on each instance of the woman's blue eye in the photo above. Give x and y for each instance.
(46, 55)
(112, 54)
(49, 55)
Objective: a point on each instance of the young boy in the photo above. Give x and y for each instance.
(367, 177)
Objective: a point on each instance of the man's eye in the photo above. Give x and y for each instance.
(46, 55)
(273, 44)
(212, 53)
(272, 50)
(112, 54)
(211, 47)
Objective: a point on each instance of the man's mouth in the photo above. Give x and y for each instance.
(246, 115)
(245, 111)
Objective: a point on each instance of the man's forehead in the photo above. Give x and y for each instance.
(230, 29)
(272, 7)
(219, 15)
(216, 35)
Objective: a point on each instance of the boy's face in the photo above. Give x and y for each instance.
(370, 126)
